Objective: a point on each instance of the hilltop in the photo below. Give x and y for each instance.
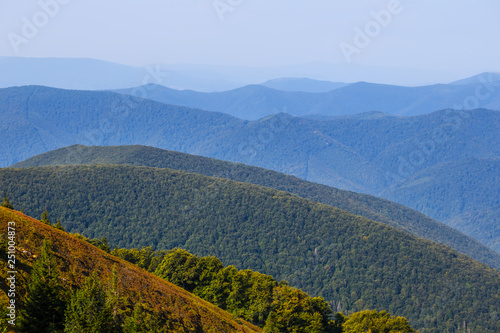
(365, 205)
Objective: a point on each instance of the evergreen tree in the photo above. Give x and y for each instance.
(4, 325)
(45, 217)
(89, 310)
(44, 306)
(6, 202)
(113, 298)
(142, 322)
(58, 225)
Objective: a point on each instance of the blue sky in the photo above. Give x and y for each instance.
(452, 36)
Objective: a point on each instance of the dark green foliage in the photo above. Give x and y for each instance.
(294, 311)
(250, 295)
(141, 321)
(101, 243)
(44, 306)
(187, 271)
(376, 322)
(45, 218)
(4, 325)
(6, 202)
(146, 258)
(89, 309)
(326, 252)
(59, 226)
(365, 205)
(338, 323)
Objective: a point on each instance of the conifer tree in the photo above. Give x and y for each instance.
(6, 202)
(89, 310)
(142, 322)
(45, 217)
(45, 304)
(58, 225)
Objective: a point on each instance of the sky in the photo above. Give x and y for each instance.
(460, 36)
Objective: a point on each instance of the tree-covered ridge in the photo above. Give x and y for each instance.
(76, 260)
(358, 153)
(99, 305)
(365, 205)
(325, 251)
(256, 297)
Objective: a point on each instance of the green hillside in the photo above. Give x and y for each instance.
(325, 251)
(368, 206)
(175, 309)
(371, 154)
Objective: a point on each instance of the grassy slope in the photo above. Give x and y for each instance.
(368, 206)
(323, 250)
(78, 258)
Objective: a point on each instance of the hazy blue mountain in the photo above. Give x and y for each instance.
(470, 190)
(91, 74)
(487, 77)
(375, 155)
(371, 207)
(303, 85)
(255, 101)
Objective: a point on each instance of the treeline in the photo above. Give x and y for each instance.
(97, 306)
(255, 297)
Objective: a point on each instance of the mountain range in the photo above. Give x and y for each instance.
(257, 101)
(326, 251)
(373, 153)
(93, 74)
(364, 205)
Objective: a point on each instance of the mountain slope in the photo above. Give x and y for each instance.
(323, 250)
(370, 155)
(78, 259)
(493, 78)
(472, 187)
(360, 204)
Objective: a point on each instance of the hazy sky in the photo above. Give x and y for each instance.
(460, 36)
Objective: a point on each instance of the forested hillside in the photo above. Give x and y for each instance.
(368, 206)
(370, 155)
(471, 191)
(325, 251)
(153, 300)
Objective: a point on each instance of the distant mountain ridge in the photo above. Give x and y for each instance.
(92, 74)
(303, 85)
(374, 155)
(360, 204)
(256, 101)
